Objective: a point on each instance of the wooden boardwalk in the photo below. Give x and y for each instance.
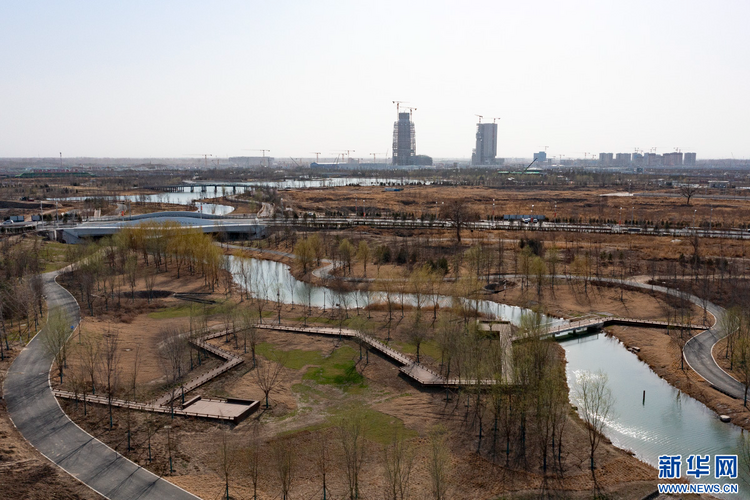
(162, 403)
(134, 405)
(597, 323)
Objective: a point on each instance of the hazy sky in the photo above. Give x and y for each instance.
(168, 79)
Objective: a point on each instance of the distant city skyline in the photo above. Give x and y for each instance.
(174, 79)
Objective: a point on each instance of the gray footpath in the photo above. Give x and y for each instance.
(36, 413)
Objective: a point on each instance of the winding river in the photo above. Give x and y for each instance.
(669, 422)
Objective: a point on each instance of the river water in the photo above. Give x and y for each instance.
(179, 198)
(670, 422)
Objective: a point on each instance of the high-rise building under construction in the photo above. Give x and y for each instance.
(404, 142)
(486, 148)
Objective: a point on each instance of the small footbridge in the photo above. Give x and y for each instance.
(591, 324)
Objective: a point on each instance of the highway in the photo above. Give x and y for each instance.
(36, 413)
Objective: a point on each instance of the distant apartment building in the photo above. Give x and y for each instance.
(689, 160)
(672, 159)
(605, 158)
(486, 146)
(622, 158)
(653, 159)
(540, 157)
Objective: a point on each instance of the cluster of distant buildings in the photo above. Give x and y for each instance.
(676, 159)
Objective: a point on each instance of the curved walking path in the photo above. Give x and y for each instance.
(40, 419)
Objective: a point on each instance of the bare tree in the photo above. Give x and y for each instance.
(133, 382)
(741, 356)
(253, 457)
(459, 213)
(56, 338)
(111, 366)
(284, 463)
(174, 351)
(226, 457)
(398, 462)
(90, 359)
(249, 332)
(418, 331)
(438, 464)
(688, 191)
(267, 373)
(351, 431)
(149, 279)
(322, 457)
(595, 402)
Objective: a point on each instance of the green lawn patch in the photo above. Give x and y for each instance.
(429, 348)
(379, 427)
(183, 310)
(294, 359)
(337, 369)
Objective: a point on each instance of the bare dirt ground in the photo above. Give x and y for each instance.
(571, 202)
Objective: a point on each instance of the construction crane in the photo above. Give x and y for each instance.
(411, 110)
(528, 166)
(374, 157)
(263, 150)
(317, 155)
(493, 120)
(204, 155)
(398, 103)
(480, 118)
(295, 161)
(348, 153)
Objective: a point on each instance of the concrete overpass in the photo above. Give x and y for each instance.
(232, 227)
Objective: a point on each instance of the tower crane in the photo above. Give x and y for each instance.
(317, 155)
(480, 118)
(204, 155)
(263, 150)
(411, 110)
(497, 118)
(348, 153)
(398, 103)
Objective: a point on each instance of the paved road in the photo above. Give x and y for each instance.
(38, 416)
